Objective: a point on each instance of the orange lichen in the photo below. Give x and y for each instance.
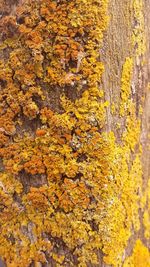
(64, 181)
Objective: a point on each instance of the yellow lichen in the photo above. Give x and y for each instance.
(140, 256)
(126, 85)
(64, 182)
(138, 36)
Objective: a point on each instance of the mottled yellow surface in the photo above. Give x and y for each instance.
(89, 185)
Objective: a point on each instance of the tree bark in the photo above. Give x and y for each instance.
(74, 133)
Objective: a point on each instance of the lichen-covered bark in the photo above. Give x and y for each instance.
(74, 107)
(128, 18)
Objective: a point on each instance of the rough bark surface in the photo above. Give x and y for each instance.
(117, 47)
(47, 200)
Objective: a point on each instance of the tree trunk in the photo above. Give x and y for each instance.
(74, 133)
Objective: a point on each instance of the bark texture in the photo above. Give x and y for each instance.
(74, 133)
